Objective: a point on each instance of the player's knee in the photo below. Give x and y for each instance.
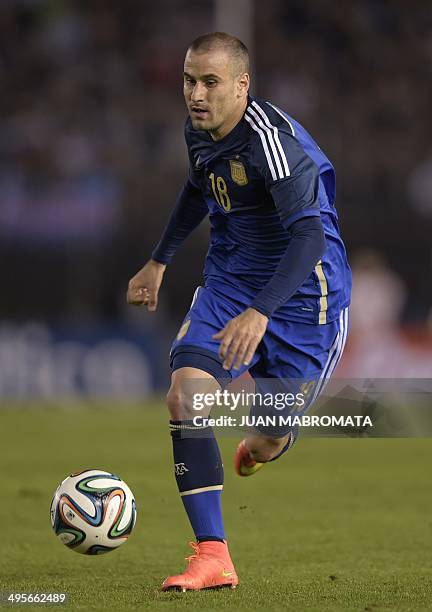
(178, 404)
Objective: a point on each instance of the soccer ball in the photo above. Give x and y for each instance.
(93, 512)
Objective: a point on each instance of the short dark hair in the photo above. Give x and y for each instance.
(220, 40)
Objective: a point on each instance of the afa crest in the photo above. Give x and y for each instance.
(238, 172)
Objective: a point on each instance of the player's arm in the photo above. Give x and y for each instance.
(295, 194)
(241, 336)
(189, 211)
(306, 247)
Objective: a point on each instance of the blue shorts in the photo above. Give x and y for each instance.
(290, 355)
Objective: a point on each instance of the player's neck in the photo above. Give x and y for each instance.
(228, 126)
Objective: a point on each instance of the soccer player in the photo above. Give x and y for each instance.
(277, 281)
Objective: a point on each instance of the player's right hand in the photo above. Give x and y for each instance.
(143, 288)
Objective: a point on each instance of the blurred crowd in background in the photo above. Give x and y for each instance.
(92, 152)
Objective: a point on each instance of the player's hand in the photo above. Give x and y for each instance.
(240, 338)
(143, 288)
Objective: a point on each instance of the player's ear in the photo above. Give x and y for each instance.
(243, 82)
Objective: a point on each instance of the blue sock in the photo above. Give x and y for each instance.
(199, 476)
(293, 437)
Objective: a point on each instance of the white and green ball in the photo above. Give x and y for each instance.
(93, 512)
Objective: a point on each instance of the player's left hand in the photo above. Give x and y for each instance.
(240, 338)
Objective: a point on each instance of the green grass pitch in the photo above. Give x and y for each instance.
(337, 524)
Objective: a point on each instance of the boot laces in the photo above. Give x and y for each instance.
(196, 554)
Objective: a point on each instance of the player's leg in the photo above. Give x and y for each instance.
(197, 461)
(256, 450)
(307, 355)
(197, 369)
(199, 476)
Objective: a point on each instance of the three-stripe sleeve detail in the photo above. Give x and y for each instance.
(269, 136)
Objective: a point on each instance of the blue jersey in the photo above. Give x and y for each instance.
(259, 179)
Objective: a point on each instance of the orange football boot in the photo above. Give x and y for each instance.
(209, 567)
(244, 464)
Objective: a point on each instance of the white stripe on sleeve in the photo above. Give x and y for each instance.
(264, 116)
(264, 144)
(269, 133)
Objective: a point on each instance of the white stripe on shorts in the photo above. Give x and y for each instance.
(334, 356)
(195, 295)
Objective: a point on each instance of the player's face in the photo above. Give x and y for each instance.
(216, 97)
